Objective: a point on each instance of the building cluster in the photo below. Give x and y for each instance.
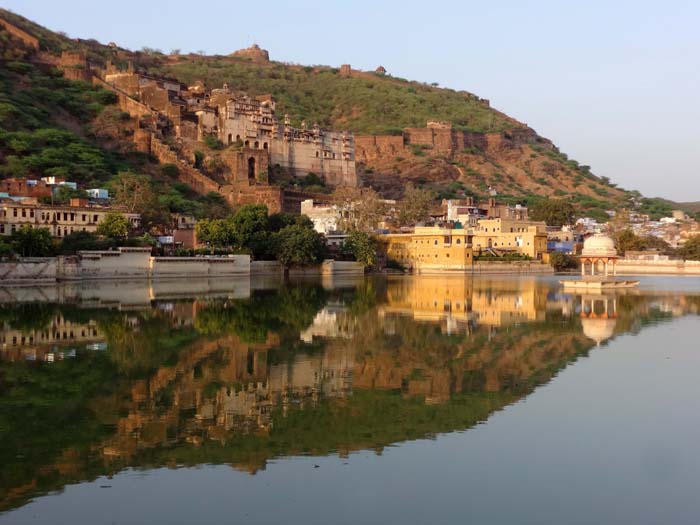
(674, 230)
(29, 206)
(259, 138)
(461, 230)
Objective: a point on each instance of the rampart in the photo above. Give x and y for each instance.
(439, 139)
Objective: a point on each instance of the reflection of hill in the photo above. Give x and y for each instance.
(230, 380)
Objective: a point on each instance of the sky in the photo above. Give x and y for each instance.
(615, 84)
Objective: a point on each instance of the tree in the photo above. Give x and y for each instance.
(5, 249)
(415, 205)
(359, 209)
(32, 242)
(216, 232)
(81, 240)
(554, 212)
(248, 221)
(297, 245)
(562, 261)
(627, 240)
(114, 226)
(690, 251)
(362, 247)
(135, 193)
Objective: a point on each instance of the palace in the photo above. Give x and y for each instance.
(430, 248)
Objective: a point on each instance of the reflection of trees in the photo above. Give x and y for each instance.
(140, 344)
(288, 310)
(27, 316)
(165, 391)
(45, 411)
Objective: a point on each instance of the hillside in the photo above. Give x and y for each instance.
(484, 151)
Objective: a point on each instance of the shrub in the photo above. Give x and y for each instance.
(562, 261)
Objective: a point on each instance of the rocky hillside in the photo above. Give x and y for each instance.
(484, 151)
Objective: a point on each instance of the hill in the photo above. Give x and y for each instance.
(474, 150)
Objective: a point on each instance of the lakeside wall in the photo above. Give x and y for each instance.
(31, 270)
(671, 267)
(506, 267)
(137, 263)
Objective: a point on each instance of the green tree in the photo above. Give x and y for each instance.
(690, 251)
(298, 245)
(64, 194)
(415, 205)
(562, 261)
(32, 242)
(554, 212)
(5, 249)
(362, 247)
(81, 240)
(217, 233)
(114, 226)
(248, 221)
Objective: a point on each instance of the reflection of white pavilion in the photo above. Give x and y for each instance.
(598, 316)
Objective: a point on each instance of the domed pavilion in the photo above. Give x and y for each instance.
(598, 262)
(599, 249)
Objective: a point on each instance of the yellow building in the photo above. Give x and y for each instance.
(521, 236)
(430, 249)
(60, 220)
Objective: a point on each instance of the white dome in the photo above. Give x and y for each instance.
(599, 245)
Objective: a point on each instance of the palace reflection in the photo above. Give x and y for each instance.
(241, 373)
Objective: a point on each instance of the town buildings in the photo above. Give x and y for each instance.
(61, 220)
(511, 235)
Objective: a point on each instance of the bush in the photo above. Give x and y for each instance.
(170, 170)
(212, 142)
(562, 261)
(80, 240)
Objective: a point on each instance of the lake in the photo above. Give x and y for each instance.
(424, 399)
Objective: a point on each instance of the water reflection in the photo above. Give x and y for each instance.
(94, 379)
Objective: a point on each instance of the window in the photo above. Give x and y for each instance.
(436, 243)
(84, 216)
(31, 213)
(94, 218)
(459, 241)
(14, 212)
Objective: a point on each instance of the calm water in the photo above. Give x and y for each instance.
(401, 400)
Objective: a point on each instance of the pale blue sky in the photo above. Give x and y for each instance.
(616, 87)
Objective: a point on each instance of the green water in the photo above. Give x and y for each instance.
(407, 399)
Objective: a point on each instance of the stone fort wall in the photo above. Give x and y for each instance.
(445, 141)
(303, 158)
